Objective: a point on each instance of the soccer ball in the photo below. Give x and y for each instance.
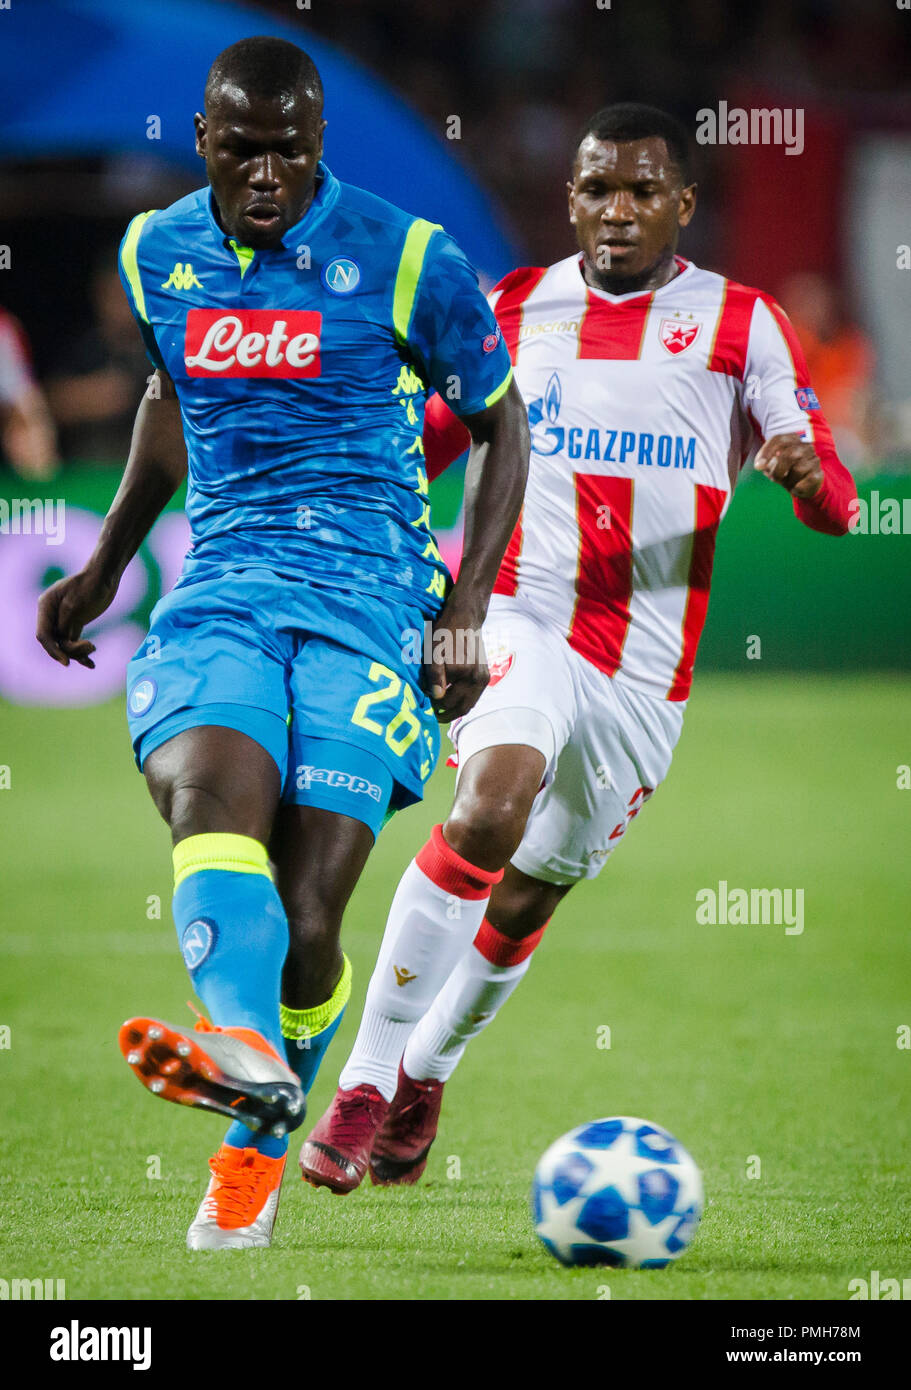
(618, 1192)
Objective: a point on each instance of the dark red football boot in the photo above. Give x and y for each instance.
(400, 1149)
(336, 1153)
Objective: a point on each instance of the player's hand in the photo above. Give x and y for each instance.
(793, 462)
(63, 611)
(455, 681)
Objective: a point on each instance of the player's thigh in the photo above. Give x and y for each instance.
(619, 753)
(509, 743)
(207, 707)
(214, 780)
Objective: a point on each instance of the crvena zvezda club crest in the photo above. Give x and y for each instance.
(498, 663)
(678, 334)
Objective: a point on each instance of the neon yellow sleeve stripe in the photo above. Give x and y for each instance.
(238, 853)
(128, 259)
(501, 389)
(409, 273)
(306, 1023)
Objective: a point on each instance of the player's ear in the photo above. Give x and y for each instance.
(687, 205)
(571, 201)
(200, 126)
(322, 129)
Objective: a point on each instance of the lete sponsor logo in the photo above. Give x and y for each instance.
(253, 343)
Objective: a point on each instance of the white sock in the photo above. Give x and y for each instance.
(435, 915)
(476, 990)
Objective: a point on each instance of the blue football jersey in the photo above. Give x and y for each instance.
(302, 374)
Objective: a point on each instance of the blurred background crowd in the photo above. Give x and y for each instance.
(818, 229)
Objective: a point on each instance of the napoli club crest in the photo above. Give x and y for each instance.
(678, 334)
(142, 697)
(197, 942)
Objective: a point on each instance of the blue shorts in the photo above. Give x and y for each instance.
(317, 676)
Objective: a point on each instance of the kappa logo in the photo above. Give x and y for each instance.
(253, 343)
(403, 976)
(182, 277)
(678, 334)
(334, 777)
(341, 275)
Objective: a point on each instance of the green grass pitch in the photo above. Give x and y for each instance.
(744, 1041)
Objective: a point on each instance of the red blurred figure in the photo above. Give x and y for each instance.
(26, 429)
(841, 362)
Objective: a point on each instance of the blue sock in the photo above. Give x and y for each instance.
(308, 1032)
(233, 935)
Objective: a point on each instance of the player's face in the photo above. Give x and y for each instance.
(627, 204)
(261, 160)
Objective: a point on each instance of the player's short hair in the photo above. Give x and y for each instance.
(264, 69)
(632, 120)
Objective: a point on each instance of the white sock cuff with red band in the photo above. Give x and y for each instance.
(502, 950)
(450, 872)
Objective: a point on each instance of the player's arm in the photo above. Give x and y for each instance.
(456, 339)
(797, 451)
(494, 487)
(156, 467)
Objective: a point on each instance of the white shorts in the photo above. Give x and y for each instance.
(606, 744)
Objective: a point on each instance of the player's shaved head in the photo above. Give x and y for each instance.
(263, 69)
(262, 138)
(632, 120)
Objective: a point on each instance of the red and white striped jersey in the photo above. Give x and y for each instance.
(643, 409)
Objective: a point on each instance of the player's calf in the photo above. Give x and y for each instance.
(478, 987)
(469, 1001)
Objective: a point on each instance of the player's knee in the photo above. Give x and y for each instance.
(486, 831)
(520, 920)
(312, 928)
(521, 906)
(195, 810)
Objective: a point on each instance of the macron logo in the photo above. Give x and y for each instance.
(253, 343)
(75, 1343)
